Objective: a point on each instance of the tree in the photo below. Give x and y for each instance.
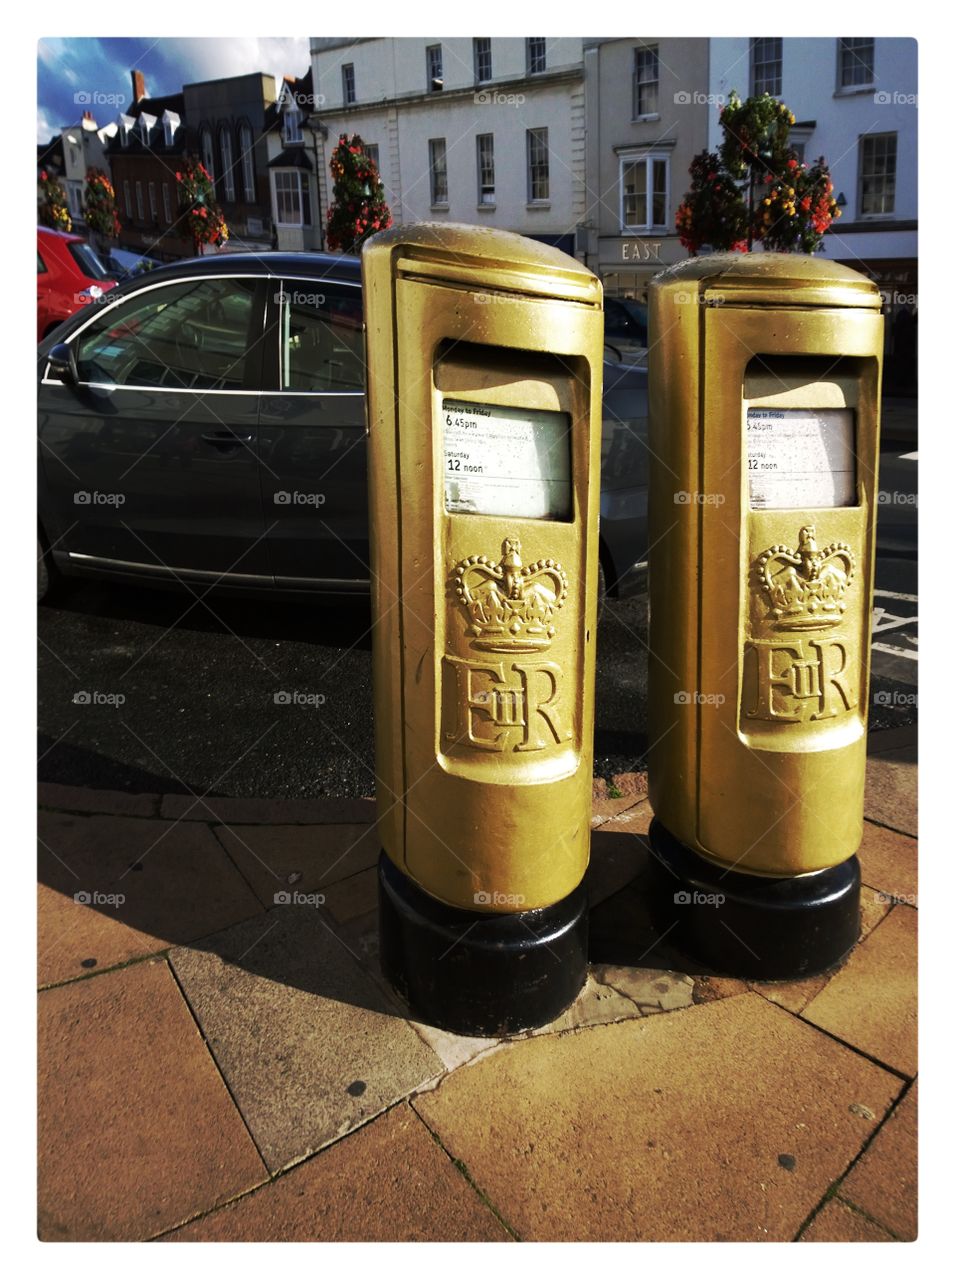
(358, 208)
(53, 207)
(755, 188)
(203, 218)
(99, 205)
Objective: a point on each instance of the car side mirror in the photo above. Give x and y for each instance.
(62, 362)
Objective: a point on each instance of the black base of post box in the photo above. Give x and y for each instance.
(478, 973)
(749, 926)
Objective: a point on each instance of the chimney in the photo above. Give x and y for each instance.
(139, 86)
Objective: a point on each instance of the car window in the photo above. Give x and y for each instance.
(88, 260)
(194, 335)
(40, 264)
(322, 339)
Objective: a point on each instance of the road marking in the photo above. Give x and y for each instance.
(895, 650)
(895, 595)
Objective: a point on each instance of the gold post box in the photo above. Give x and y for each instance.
(485, 357)
(764, 426)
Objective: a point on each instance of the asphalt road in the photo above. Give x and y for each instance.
(144, 690)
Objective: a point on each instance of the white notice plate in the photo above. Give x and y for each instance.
(506, 462)
(800, 458)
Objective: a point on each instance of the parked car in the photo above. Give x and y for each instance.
(206, 425)
(69, 276)
(625, 330)
(123, 263)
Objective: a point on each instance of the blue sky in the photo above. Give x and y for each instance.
(75, 74)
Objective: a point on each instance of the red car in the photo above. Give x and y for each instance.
(69, 275)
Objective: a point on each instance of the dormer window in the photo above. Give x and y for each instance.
(170, 123)
(146, 123)
(293, 124)
(125, 125)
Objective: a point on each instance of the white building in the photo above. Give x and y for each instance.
(84, 148)
(855, 103)
(486, 130)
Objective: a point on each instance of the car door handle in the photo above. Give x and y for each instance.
(227, 439)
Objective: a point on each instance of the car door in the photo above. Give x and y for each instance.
(312, 436)
(151, 457)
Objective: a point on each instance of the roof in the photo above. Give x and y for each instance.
(291, 158)
(310, 266)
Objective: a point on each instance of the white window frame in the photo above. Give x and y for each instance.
(128, 197)
(349, 93)
(756, 45)
(207, 147)
(434, 61)
(247, 149)
(478, 53)
(650, 51)
(296, 191)
(532, 52)
(433, 172)
(292, 125)
(228, 164)
(166, 203)
(531, 198)
(140, 202)
(646, 158)
(153, 202)
(859, 86)
(482, 167)
(881, 215)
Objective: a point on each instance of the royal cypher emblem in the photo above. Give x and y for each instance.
(806, 588)
(511, 606)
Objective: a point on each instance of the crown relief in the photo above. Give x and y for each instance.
(511, 607)
(805, 588)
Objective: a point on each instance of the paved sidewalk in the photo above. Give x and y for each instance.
(219, 1059)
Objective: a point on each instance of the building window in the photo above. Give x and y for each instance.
(482, 59)
(646, 81)
(140, 207)
(877, 158)
(153, 203)
(435, 71)
(856, 62)
(208, 161)
(166, 203)
(127, 198)
(766, 66)
(292, 125)
(292, 204)
(144, 130)
(536, 55)
(371, 151)
(644, 194)
(438, 162)
(247, 156)
(538, 166)
(228, 174)
(168, 130)
(348, 83)
(74, 193)
(485, 168)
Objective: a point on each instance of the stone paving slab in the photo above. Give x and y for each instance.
(176, 883)
(884, 1183)
(388, 1181)
(839, 1223)
(137, 1131)
(277, 860)
(889, 862)
(308, 1043)
(871, 1003)
(891, 789)
(727, 1121)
